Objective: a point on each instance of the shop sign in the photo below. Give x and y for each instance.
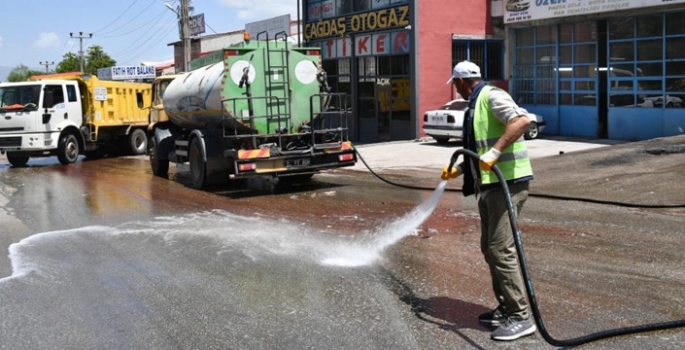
(516, 11)
(328, 9)
(394, 43)
(271, 26)
(126, 73)
(356, 23)
(314, 11)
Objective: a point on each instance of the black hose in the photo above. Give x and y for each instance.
(537, 195)
(529, 285)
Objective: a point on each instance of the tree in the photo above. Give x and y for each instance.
(22, 73)
(94, 59)
(70, 63)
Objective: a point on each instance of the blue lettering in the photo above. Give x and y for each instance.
(548, 2)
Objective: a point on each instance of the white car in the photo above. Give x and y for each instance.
(671, 101)
(517, 5)
(447, 122)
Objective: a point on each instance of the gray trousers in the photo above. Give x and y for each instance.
(497, 245)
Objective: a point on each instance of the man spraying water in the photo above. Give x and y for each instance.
(493, 128)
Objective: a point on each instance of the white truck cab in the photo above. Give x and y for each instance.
(40, 118)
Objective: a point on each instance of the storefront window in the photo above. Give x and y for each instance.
(584, 32)
(675, 23)
(622, 51)
(674, 48)
(675, 68)
(650, 69)
(536, 61)
(622, 28)
(566, 33)
(487, 54)
(343, 7)
(584, 53)
(525, 37)
(367, 66)
(399, 65)
(546, 35)
(362, 5)
(649, 50)
(650, 26)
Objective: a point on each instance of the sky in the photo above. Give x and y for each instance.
(130, 31)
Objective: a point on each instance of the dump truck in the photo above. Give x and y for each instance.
(255, 109)
(69, 114)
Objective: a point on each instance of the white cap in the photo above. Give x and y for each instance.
(465, 69)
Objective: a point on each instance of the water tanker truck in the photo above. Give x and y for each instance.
(258, 108)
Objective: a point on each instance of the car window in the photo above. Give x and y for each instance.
(455, 106)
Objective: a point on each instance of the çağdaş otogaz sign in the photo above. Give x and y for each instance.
(361, 22)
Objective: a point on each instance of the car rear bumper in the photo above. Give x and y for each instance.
(443, 130)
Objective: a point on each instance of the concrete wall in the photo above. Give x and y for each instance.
(436, 21)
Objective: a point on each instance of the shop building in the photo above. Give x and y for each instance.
(393, 57)
(599, 68)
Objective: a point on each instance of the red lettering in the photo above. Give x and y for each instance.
(329, 46)
(344, 47)
(361, 45)
(401, 43)
(380, 43)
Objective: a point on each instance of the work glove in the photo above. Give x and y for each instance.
(452, 173)
(489, 159)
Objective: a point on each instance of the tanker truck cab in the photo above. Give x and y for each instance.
(40, 118)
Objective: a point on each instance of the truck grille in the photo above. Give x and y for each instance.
(10, 141)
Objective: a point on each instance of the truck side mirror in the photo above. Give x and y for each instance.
(139, 99)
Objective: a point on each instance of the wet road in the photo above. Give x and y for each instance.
(102, 255)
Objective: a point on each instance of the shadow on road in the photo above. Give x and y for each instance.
(446, 313)
(256, 187)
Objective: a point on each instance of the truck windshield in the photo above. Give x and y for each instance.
(22, 97)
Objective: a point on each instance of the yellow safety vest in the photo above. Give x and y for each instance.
(513, 162)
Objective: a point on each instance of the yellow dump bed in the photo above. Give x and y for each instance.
(106, 102)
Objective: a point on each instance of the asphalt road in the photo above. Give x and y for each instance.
(102, 255)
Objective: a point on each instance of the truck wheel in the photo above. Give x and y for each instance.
(532, 132)
(138, 142)
(67, 149)
(17, 160)
(160, 167)
(198, 168)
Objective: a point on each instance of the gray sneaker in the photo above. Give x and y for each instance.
(492, 318)
(514, 328)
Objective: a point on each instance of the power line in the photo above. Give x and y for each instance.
(131, 20)
(116, 19)
(135, 44)
(150, 47)
(134, 48)
(133, 30)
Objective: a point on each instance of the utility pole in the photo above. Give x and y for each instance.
(185, 30)
(80, 37)
(46, 64)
